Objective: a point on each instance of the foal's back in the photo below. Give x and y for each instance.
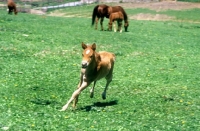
(117, 16)
(106, 64)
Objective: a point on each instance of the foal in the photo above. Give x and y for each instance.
(11, 7)
(94, 67)
(117, 16)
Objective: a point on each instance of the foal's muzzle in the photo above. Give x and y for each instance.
(84, 64)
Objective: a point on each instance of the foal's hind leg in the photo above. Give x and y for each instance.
(108, 79)
(104, 92)
(92, 90)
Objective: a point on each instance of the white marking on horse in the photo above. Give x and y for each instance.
(88, 51)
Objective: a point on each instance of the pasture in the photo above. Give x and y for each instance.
(155, 80)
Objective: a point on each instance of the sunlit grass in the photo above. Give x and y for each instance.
(155, 84)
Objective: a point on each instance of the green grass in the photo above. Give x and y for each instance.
(188, 15)
(155, 85)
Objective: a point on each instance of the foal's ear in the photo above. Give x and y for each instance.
(84, 46)
(94, 46)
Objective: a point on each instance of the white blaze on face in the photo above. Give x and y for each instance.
(87, 51)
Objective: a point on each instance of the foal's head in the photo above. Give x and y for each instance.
(88, 54)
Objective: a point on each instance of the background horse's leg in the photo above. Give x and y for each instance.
(92, 90)
(126, 24)
(120, 26)
(9, 10)
(110, 26)
(115, 26)
(96, 23)
(101, 22)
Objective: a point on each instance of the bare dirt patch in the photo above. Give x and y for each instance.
(160, 6)
(38, 12)
(157, 17)
(57, 13)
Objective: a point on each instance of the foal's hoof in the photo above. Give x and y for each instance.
(103, 96)
(62, 110)
(91, 95)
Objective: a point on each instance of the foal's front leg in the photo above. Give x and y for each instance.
(115, 28)
(75, 95)
(79, 85)
(120, 26)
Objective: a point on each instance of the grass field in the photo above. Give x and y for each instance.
(156, 75)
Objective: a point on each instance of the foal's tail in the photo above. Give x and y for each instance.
(94, 14)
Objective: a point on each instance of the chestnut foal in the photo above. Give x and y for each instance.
(94, 67)
(117, 16)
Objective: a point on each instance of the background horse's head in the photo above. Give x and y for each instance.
(126, 24)
(88, 54)
(15, 10)
(109, 11)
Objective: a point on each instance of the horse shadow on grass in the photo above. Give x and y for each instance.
(41, 100)
(38, 101)
(99, 104)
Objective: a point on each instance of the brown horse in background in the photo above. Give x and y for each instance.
(101, 11)
(95, 66)
(11, 7)
(117, 16)
(120, 9)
